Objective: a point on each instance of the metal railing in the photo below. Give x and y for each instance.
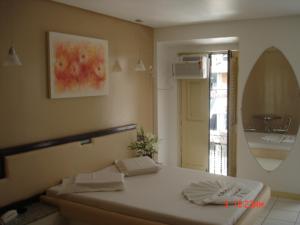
(218, 154)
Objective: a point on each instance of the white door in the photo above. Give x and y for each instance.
(194, 118)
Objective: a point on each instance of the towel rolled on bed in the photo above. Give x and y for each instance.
(215, 192)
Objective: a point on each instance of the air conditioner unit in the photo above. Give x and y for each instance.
(191, 67)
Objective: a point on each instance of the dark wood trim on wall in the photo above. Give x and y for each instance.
(84, 138)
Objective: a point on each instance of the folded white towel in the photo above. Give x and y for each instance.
(107, 179)
(69, 186)
(99, 179)
(215, 192)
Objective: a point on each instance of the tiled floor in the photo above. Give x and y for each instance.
(280, 211)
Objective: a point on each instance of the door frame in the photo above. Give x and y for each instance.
(179, 110)
(229, 53)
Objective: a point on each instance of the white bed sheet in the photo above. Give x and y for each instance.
(159, 197)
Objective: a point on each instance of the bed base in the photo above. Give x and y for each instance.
(96, 216)
(92, 215)
(250, 215)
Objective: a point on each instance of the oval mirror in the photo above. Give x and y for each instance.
(270, 109)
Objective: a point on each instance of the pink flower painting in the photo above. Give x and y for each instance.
(78, 66)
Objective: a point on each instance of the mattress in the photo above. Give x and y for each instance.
(158, 197)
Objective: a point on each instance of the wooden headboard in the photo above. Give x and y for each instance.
(30, 169)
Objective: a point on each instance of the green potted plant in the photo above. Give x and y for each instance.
(145, 144)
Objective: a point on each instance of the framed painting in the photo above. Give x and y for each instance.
(78, 66)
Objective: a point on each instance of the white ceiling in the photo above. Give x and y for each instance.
(163, 13)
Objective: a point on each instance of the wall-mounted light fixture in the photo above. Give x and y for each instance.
(117, 67)
(12, 58)
(140, 66)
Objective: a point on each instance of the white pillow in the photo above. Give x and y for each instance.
(137, 166)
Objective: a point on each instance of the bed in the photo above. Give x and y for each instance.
(25, 172)
(156, 199)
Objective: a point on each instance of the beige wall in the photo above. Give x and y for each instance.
(28, 174)
(27, 114)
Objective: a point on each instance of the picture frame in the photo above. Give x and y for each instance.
(78, 66)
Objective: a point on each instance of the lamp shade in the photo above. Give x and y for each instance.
(12, 59)
(117, 67)
(140, 66)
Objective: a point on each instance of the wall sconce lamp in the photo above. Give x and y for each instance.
(12, 59)
(117, 67)
(140, 66)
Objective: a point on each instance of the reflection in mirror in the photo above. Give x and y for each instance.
(270, 109)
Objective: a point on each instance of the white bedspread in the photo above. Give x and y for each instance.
(159, 197)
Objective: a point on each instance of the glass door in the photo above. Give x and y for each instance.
(218, 112)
